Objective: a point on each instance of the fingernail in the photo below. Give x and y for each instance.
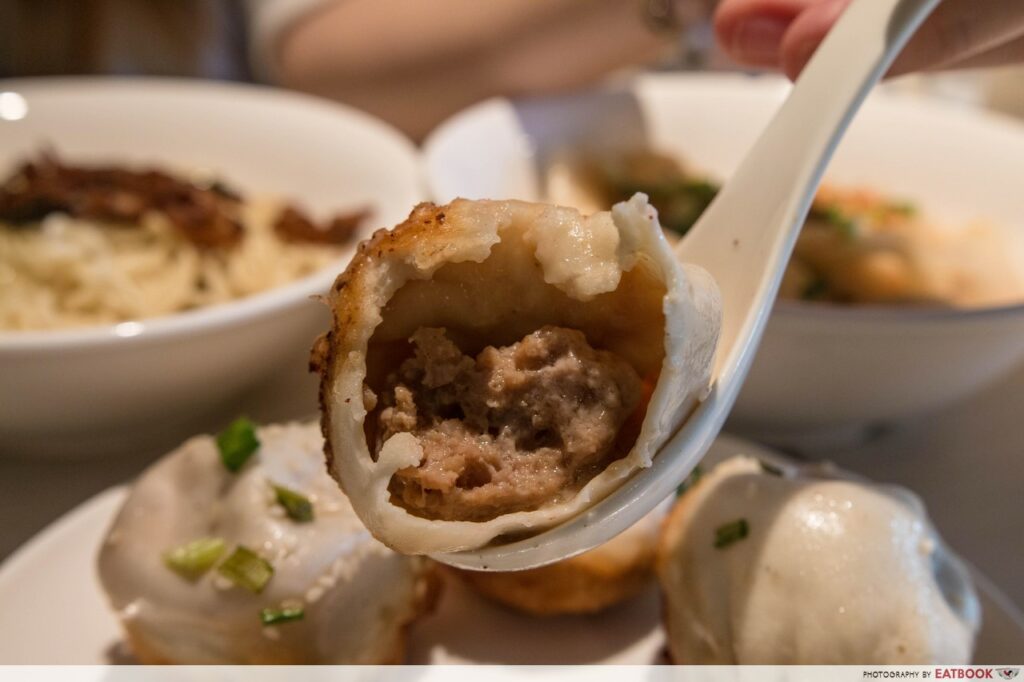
(758, 40)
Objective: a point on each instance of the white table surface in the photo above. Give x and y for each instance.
(966, 462)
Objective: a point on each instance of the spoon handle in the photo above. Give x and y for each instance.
(744, 240)
(746, 236)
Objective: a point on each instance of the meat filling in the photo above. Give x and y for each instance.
(511, 430)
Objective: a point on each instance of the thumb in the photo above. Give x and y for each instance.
(955, 31)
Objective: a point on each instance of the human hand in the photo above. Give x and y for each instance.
(783, 34)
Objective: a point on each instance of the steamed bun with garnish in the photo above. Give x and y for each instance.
(768, 565)
(241, 549)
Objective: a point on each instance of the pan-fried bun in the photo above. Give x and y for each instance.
(335, 595)
(766, 565)
(496, 367)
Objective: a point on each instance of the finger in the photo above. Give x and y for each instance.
(956, 31)
(806, 33)
(751, 31)
(960, 29)
(1007, 53)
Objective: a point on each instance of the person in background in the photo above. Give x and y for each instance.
(415, 62)
(411, 62)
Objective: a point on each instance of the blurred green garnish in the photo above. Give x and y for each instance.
(815, 290)
(195, 558)
(285, 614)
(247, 569)
(237, 443)
(296, 505)
(729, 533)
(690, 480)
(834, 216)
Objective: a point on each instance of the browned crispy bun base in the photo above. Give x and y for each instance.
(584, 584)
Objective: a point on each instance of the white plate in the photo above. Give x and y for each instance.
(54, 611)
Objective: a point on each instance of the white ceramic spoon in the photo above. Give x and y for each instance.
(744, 240)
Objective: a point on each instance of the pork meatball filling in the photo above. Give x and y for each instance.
(511, 430)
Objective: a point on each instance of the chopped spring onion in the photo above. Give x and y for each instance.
(195, 558)
(690, 481)
(247, 569)
(815, 290)
(285, 614)
(835, 217)
(680, 201)
(731, 532)
(296, 505)
(904, 208)
(770, 468)
(237, 443)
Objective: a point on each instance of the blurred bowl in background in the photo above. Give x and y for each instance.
(123, 387)
(823, 371)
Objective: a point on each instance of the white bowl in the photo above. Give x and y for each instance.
(821, 369)
(118, 387)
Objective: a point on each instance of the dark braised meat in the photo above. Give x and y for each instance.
(292, 225)
(205, 215)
